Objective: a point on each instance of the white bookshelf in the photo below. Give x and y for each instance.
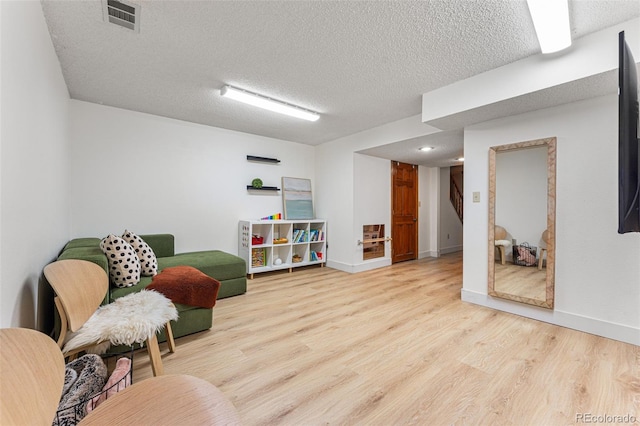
(305, 244)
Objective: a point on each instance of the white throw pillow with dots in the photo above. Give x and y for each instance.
(124, 266)
(146, 256)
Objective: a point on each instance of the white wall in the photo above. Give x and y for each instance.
(34, 168)
(597, 283)
(190, 180)
(372, 201)
(335, 174)
(335, 203)
(450, 227)
(151, 174)
(429, 205)
(372, 193)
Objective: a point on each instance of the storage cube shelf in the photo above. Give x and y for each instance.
(285, 244)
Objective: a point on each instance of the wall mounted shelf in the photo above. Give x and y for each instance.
(262, 159)
(264, 188)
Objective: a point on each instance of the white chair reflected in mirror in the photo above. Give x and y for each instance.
(501, 242)
(543, 250)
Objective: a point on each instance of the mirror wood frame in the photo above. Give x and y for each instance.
(550, 143)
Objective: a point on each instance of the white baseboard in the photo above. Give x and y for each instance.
(429, 253)
(451, 249)
(621, 332)
(361, 267)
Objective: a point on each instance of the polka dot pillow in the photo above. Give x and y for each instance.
(124, 266)
(146, 256)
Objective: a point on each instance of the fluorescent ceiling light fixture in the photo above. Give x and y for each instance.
(551, 21)
(426, 148)
(268, 103)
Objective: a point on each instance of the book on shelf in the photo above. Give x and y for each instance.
(315, 256)
(316, 235)
(299, 235)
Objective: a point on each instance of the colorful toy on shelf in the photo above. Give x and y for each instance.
(277, 216)
(290, 241)
(257, 257)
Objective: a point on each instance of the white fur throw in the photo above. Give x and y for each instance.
(128, 320)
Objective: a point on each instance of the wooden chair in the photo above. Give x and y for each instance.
(32, 371)
(31, 378)
(80, 288)
(543, 250)
(500, 242)
(166, 400)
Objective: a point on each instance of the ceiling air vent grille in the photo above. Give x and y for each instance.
(122, 13)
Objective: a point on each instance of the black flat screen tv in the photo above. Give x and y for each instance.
(628, 142)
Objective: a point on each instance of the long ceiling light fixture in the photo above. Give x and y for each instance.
(268, 103)
(551, 21)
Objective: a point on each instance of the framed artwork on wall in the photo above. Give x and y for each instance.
(297, 199)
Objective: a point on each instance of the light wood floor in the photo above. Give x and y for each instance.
(524, 281)
(397, 346)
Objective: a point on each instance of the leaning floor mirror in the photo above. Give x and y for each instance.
(522, 209)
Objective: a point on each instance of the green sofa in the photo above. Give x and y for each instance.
(228, 269)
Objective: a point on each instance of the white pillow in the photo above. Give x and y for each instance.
(124, 266)
(146, 256)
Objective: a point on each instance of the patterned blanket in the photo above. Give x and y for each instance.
(83, 378)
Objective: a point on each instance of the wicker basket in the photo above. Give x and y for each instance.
(71, 415)
(524, 255)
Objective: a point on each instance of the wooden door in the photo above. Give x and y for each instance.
(404, 212)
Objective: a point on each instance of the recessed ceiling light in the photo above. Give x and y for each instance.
(426, 148)
(265, 102)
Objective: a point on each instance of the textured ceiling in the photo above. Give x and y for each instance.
(448, 147)
(360, 64)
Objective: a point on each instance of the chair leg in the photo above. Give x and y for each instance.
(154, 356)
(540, 260)
(502, 254)
(170, 341)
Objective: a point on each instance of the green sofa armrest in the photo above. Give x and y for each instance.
(82, 242)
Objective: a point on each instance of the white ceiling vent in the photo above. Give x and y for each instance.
(123, 13)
